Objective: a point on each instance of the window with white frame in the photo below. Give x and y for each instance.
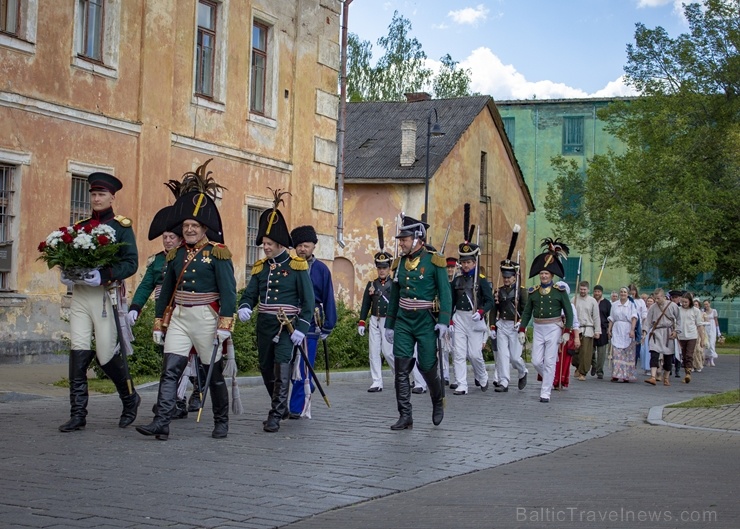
(263, 70)
(253, 251)
(10, 16)
(259, 68)
(205, 48)
(79, 207)
(97, 36)
(6, 223)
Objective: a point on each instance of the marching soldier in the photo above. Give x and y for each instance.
(196, 304)
(279, 284)
(324, 319)
(510, 301)
(472, 298)
(91, 313)
(544, 306)
(420, 276)
(375, 303)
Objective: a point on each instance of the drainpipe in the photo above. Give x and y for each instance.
(341, 125)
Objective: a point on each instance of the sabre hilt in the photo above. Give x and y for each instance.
(285, 321)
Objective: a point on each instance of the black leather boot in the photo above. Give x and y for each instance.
(404, 366)
(172, 370)
(219, 401)
(281, 387)
(79, 361)
(194, 400)
(268, 377)
(117, 373)
(435, 391)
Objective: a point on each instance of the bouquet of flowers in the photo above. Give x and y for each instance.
(79, 249)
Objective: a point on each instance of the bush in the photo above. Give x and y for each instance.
(347, 349)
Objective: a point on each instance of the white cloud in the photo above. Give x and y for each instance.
(503, 81)
(677, 5)
(469, 15)
(440, 26)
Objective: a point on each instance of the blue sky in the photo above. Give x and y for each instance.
(517, 49)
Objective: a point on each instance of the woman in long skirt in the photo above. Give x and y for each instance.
(622, 322)
(710, 317)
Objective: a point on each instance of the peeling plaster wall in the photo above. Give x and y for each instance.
(146, 126)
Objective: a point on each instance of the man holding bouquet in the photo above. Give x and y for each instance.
(91, 313)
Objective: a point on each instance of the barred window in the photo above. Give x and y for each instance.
(205, 48)
(9, 18)
(80, 207)
(90, 44)
(253, 251)
(6, 218)
(573, 135)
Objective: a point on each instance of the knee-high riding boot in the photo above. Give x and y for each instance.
(117, 373)
(79, 361)
(403, 366)
(435, 391)
(196, 381)
(279, 397)
(219, 401)
(268, 377)
(174, 365)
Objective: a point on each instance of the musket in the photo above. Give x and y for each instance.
(285, 321)
(204, 390)
(121, 346)
(444, 242)
(477, 273)
(439, 340)
(578, 280)
(598, 280)
(516, 289)
(320, 324)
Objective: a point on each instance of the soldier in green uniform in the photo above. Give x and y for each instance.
(545, 304)
(200, 288)
(91, 312)
(420, 277)
(375, 304)
(279, 284)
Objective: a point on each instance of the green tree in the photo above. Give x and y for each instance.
(401, 69)
(451, 81)
(672, 200)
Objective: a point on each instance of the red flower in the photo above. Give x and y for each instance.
(87, 228)
(63, 229)
(94, 224)
(67, 238)
(103, 240)
(42, 246)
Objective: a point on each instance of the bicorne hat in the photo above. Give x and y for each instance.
(272, 223)
(550, 259)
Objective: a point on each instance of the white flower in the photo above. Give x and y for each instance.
(84, 241)
(54, 238)
(104, 229)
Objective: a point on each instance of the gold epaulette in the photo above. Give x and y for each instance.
(561, 289)
(439, 260)
(394, 265)
(258, 266)
(220, 251)
(151, 260)
(172, 253)
(532, 289)
(123, 221)
(298, 263)
(482, 276)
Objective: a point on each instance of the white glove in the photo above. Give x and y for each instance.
(493, 334)
(92, 279)
(565, 337)
(442, 329)
(158, 337)
(522, 338)
(297, 337)
(131, 317)
(323, 336)
(361, 330)
(245, 313)
(477, 316)
(222, 335)
(389, 335)
(67, 282)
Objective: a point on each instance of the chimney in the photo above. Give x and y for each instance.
(408, 143)
(413, 97)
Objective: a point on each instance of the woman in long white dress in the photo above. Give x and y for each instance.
(622, 322)
(710, 317)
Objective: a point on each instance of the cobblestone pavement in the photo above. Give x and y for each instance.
(345, 456)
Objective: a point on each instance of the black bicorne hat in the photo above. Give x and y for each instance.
(509, 267)
(550, 259)
(162, 222)
(272, 222)
(410, 227)
(196, 201)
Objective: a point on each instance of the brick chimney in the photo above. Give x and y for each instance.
(408, 143)
(413, 97)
